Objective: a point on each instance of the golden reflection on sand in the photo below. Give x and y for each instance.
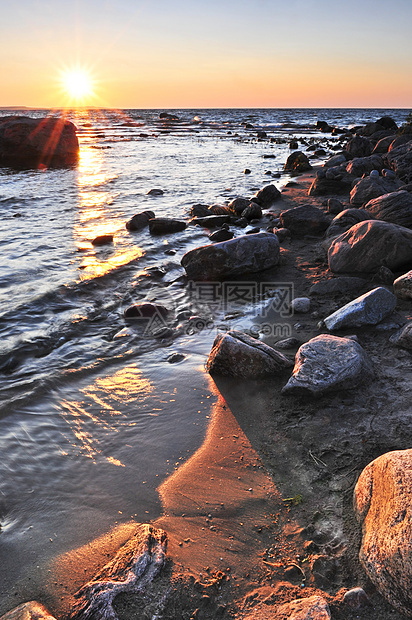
(93, 218)
(101, 411)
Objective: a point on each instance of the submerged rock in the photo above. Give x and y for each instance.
(140, 220)
(368, 245)
(328, 363)
(164, 226)
(368, 309)
(402, 287)
(311, 608)
(246, 254)
(134, 567)
(383, 505)
(237, 355)
(37, 142)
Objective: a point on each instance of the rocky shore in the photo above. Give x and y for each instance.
(298, 504)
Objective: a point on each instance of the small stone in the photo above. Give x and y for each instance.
(300, 305)
(175, 358)
(356, 598)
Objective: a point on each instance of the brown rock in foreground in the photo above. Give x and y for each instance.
(28, 611)
(311, 608)
(383, 505)
(33, 143)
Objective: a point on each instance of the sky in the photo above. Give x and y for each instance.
(207, 53)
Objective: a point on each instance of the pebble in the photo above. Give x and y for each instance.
(300, 305)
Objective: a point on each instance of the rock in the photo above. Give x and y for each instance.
(254, 230)
(175, 358)
(219, 210)
(140, 220)
(382, 503)
(304, 220)
(146, 310)
(395, 207)
(402, 287)
(387, 122)
(155, 192)
(321, 186)
(356, 598)
(324, 127)
(368, 309)
(335, 160)
(399, 159)
(335, 206)
(297, 162)
(102, 240)
(311, 608)
(247, 171)
(37, 142)
(345, 220)
(237, 355)
(266, 196)
(166, 116)
(221, 235)
(382, 146)
(287, 343)
(300, 305)
(368, 245)
(164, 225)
(383, 276)
(328, 363)
(358, 147)
(211, 221)
(245, 254)
(199, 210)
(282, 233)
(364, 165)
(252, 212)
(133, 568)
(371, 187)
(340, 285)
(404, 338)
(238, 205)
(28, 611)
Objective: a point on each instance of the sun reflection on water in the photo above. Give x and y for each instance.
(101, 411)
(96, 219)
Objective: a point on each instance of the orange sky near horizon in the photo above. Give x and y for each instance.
(260, 53)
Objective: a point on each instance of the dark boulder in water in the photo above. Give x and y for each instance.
(164, 225)
(297, 162)
(102, 240)
(266, 196)
(140, 220)
(155, 192)
(145, 310)
(37, 143)
(166, 116)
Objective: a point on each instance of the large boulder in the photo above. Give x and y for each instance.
(358, 147)
(28, 611)
(364, 165)
(310, 608)
(368, 245)
(266, 196)
(37, 142)
(304, 220)
(368, 309)
(237, 355)
(395, 207)
(328, 363)
(383, 505)
(297, 162)
(382, 146)
(400, 159)
(246, 254)
(324, 186)
(372, 187)
(132, 570)
(345, 220)
(402, 287)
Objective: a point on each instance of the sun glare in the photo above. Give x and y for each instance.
(77, 85)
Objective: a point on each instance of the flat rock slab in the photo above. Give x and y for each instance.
(237, 355)
(368, 245)
(28, 611)
(383, 505)
(402, 287)
(368, 309)
(133, 568)
(311, 608)
(328, 363)
(245, 254)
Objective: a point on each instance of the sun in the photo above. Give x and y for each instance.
(78, 85)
